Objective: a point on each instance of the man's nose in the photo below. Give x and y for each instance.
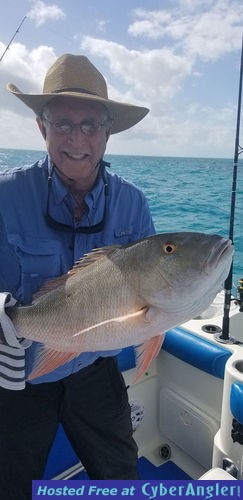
(77, 133)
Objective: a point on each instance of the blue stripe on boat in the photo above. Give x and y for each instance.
(198, 352)
(236, 401)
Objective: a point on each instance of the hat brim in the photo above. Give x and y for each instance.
(124, 115)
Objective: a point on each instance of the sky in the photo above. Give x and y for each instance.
(179, 58)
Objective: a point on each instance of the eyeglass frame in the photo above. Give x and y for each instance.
(96, 127)
(60, 226)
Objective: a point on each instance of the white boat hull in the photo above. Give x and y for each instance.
(181, 408)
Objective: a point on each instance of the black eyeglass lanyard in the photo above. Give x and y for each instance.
(59, 226)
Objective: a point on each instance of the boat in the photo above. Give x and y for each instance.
(187, 409)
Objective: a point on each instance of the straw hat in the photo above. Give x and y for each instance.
(75, 76)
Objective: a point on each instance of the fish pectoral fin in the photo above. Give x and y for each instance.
(47, 360)
(146, 352)
(154, 315)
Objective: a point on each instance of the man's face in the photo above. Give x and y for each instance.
(75, 154)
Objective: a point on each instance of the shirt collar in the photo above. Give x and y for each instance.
(60, 191)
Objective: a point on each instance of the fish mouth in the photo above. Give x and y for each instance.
(221, 252)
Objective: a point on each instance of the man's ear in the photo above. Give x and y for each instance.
(41, 127)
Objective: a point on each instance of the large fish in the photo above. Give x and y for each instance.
(125, 295)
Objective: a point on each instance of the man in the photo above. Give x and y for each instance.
(54, 212)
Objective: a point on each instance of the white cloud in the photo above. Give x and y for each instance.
(208, 33)
(101, 25)
(20, 131)
(151, 24)
(28, 65)
(41, 13)
(204, 132)
(153, 76)
(26, 69)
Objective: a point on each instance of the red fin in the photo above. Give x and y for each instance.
(146, 352)
(48, 360)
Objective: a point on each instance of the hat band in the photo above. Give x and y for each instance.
(81, 91)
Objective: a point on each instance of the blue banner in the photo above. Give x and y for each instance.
(136, 490)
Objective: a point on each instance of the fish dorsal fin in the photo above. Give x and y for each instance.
(50, 285)
(84, 262)
(92, 257)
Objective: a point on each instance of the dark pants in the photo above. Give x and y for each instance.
(92, 406)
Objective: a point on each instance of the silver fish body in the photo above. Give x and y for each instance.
(128, 295)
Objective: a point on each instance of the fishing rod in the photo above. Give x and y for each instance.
(14, 35)
(224, 336)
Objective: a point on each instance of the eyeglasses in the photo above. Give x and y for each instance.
(87, 127)
(59, 226)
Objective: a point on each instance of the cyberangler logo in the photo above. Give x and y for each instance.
(204, 491)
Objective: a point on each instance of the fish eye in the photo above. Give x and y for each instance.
(169, 248)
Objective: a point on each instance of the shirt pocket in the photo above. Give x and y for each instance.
(40, 260)
(119, 236)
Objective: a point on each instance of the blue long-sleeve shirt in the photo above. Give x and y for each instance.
(42, 252)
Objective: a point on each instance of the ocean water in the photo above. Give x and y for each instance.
(184, 194)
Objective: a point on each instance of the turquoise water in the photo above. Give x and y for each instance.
(184, 194)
